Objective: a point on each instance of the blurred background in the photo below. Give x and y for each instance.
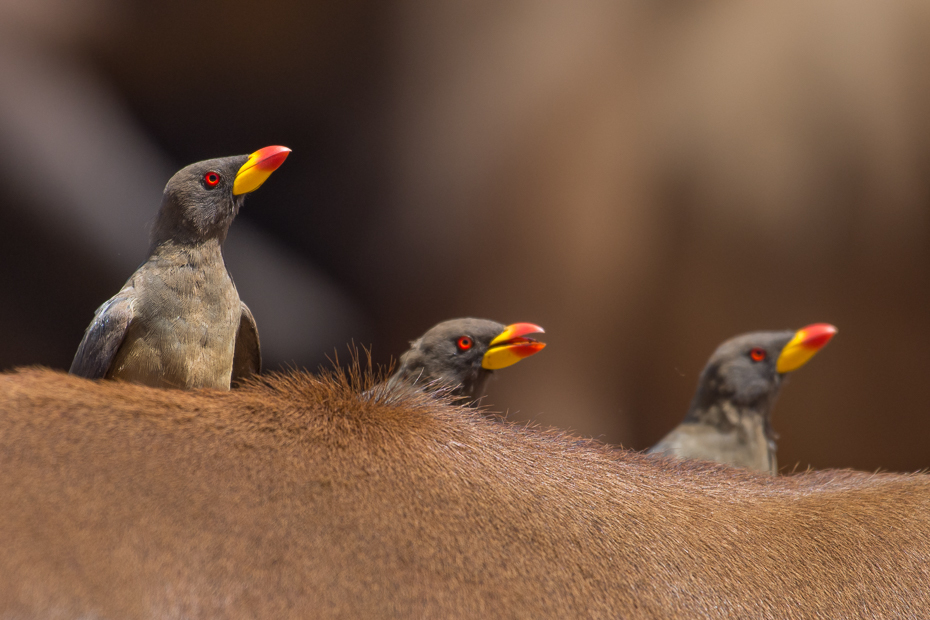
(644, 179)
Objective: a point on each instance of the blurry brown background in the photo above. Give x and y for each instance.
(644, 179)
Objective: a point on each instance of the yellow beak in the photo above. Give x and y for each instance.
(803, 346)
(258, 168)
(509, 347)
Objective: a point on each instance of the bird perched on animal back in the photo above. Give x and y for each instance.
(178, 321)
(730, 417)
(461, 354)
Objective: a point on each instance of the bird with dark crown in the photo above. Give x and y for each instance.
(178, 321)
(729, 420)
(460, 355)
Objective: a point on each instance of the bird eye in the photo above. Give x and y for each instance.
(211, 179)
(758, 355)
(465, 343)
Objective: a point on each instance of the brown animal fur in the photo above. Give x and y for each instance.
(298, 498)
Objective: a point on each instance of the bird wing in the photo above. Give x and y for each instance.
(247, 359)
(103, 337)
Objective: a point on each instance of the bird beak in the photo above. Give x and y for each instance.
(803, 346)
(259, 167)
(510, 346)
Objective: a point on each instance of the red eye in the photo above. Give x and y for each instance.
(465, 343)
(758, 355)
(212, 179)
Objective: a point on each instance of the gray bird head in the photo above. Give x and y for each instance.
(202, 199)
(461, 354)
(748, 370)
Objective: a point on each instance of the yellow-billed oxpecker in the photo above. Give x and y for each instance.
(178, 321)
(460, 355)
(730, 417)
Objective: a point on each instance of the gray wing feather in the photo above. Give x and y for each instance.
(103, 338)
(247, 359)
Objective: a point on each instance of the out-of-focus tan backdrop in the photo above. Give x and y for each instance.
(644, 179)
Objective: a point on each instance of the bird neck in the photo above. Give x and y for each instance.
(196, 253)
(468, 390)
(186, 225)
(165, 232)
(473, 390)
(728, 416)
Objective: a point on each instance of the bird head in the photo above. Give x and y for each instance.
(461, 354)
(748, 370)
(202, 199)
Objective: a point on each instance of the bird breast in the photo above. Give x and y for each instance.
(183, 332)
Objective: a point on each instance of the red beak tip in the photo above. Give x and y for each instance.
(529, 348)
(522, 329)
(818, 334)
(273, 150)
(271, 157)
(821, 327)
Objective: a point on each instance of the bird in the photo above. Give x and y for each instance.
(458, 356)
(178, 321)
(729, 420)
